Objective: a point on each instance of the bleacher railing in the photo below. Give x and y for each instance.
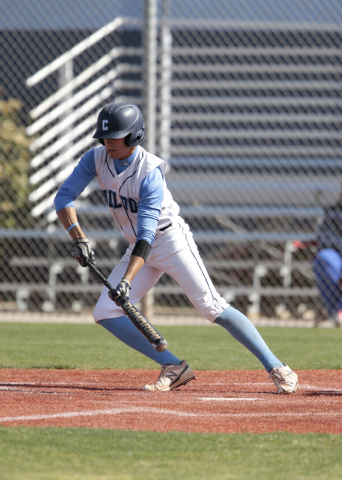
(248, 117)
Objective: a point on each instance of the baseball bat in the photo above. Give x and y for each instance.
(142, 324)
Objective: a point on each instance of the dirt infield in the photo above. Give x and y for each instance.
(217, 401)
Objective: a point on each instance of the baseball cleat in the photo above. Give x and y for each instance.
(171, 376)
(284, 379)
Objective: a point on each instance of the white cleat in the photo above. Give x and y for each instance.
(284, 379)
(171, 376)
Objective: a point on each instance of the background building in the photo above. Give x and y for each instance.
(243, 99)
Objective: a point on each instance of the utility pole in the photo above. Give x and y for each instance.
(149, 104)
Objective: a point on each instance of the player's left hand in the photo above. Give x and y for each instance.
(122, 290)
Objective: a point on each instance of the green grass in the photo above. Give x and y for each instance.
(205, 348)
(72, 454)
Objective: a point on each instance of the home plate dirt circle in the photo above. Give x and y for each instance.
(217, 401)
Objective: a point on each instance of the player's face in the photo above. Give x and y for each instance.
(116, 148)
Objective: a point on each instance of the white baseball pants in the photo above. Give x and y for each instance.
(174, 252)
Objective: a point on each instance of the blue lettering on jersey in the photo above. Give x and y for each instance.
(129, 204)
(111, 200)
(124, 201)
(133, 205)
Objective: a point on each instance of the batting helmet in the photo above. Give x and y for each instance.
(121, 120)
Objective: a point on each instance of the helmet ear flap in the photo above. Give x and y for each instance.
(137, 139)
(127, 140)
(140, 136)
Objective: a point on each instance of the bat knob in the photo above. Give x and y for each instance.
(113, 295)
(161, 346)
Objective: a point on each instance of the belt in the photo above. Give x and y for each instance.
(164, 228)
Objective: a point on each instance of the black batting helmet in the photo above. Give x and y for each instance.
(121, 120)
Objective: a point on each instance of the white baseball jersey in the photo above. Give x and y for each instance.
(174, 250)
(122, 190)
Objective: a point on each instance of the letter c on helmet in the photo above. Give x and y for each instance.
(104, 124)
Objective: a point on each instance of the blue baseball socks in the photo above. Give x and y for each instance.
(237, 324)
(243, 330)
(123, 329)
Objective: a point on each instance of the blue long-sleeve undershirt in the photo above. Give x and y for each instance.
(151, 192)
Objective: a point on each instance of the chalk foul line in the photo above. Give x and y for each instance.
(227, 399)
(160, 411)
(113, 411)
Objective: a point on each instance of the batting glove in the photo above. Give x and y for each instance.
(122, 290)
(83, 252)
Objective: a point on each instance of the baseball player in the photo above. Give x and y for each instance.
(133, 185)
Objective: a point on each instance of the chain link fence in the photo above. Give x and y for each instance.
(243, 100)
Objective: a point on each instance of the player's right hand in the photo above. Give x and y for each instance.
(83, 252)
(122, 290)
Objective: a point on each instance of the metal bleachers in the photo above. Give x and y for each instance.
(56, 284)
(248, 119)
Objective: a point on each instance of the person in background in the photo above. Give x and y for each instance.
(327, 264)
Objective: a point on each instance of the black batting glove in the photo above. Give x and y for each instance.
(122, 290)
(83, 252)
